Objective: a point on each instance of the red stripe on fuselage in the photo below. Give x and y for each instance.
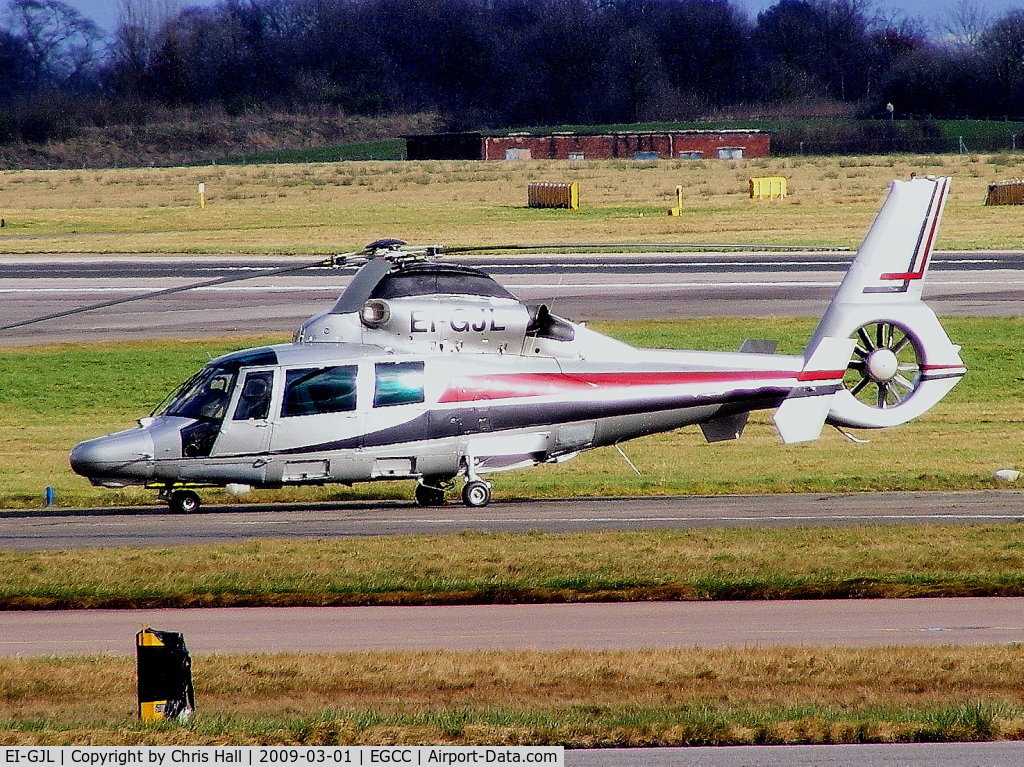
(808, 376)
(515, 385)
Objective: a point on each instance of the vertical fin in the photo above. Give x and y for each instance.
(893, 260)
(880, 298)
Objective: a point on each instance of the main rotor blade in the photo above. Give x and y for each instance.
(362, 285)
(167, 292)
(651, 245)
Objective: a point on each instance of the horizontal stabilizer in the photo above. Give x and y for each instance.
(803, 413)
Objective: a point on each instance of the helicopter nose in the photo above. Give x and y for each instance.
(125, 455)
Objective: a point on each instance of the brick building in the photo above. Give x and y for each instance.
(643, 145)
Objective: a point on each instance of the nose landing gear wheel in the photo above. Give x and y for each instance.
(476, 493)
(184, 502)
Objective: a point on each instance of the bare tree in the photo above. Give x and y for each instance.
(1002, 46)
(964, 24)
(62, 45)
(15, 77)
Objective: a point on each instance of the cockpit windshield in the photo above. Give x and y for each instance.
(204, 396)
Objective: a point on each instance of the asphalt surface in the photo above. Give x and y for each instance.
(1008, 754)
(608, 287)
(591, 626)
(154, 526)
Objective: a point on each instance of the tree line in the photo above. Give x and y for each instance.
(502, 63)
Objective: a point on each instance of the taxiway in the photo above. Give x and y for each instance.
(580, 288)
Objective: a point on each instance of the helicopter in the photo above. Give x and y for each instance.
(431, 371)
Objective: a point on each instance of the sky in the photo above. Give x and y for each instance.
(932, 12)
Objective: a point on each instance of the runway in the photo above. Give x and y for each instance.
(581, 288)
(997, 754)
(150, 526)
(601, 626)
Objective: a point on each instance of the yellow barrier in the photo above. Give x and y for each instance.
(678, 209)
(543, 194)
(1006, 193)
(767, 188)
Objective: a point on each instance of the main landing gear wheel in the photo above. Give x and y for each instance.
(886, 365)
(184, 501)
(476, 493)
(428, 495)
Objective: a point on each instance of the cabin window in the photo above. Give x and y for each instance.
(254, 401)
(310, 391)
(398, 383)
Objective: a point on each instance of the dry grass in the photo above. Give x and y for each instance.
(203, 135)
(574, 698)
(336, 206)
(728, 563)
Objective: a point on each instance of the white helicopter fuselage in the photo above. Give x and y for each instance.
(429, 371)
(339, 412)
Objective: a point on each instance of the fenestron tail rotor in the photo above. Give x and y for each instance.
(885, 369)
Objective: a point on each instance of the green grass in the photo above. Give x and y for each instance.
(476, 568)
(57, 396)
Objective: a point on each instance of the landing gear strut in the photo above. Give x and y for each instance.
(430, 492)
(476, 492)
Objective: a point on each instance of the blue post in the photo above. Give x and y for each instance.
(51, 496)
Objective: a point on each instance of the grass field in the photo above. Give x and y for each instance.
(572, 698)
(54, 396)
(477, 568)
(332, 207)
